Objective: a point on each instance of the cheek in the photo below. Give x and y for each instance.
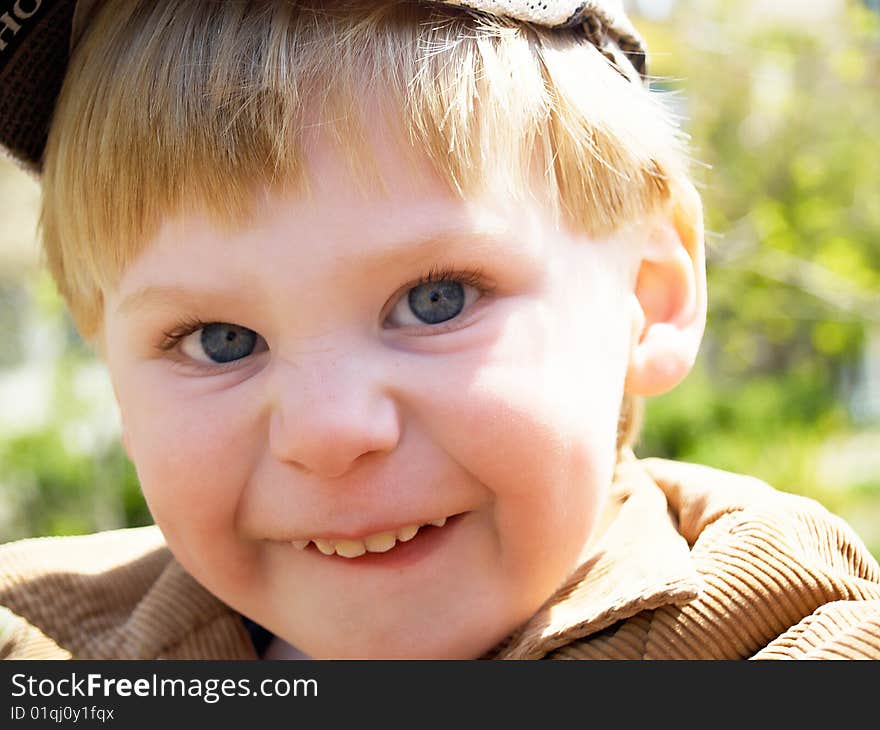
(534, 420)
(545, 456)
(193, 456)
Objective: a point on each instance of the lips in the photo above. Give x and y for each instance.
(380, 542)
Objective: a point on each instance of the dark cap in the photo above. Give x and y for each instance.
(37, 37)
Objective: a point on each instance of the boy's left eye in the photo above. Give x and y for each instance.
(432, 302)
(221, 342)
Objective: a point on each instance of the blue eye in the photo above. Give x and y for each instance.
(437, 301)
(220, 342)
(439, 296)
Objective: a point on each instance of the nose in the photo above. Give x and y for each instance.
(329, 411)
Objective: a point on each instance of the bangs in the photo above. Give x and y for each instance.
(198, 104)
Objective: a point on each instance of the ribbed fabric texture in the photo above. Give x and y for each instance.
(697, 564)
(111, 595)
(783, 579)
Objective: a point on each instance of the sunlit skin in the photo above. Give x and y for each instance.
(351, 416)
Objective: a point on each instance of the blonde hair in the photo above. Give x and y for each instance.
(196, 103)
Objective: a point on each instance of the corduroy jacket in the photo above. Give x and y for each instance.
(696, 564)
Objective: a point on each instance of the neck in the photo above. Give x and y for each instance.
(280, 649)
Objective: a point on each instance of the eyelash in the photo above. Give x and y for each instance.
(184, 328)
(469, 277)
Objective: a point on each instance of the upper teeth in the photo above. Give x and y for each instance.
(381, 542)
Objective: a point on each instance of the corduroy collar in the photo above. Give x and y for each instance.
(640, 563)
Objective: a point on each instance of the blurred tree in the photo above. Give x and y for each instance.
(62, 468)
(781, 107)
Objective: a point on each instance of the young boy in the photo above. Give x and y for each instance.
(379, 286)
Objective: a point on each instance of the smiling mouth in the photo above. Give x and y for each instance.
(380, 542)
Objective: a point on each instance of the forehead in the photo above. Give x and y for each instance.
(365, 221)
(373, 152)
(376, 161)
(381, 192)
(356, 218)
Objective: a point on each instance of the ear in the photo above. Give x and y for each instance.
(669, 297)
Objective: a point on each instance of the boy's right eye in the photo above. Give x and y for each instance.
(221, 342)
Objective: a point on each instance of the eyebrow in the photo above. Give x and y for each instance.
(159, 294)
(481, 241)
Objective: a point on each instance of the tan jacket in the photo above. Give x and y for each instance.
(696, 564)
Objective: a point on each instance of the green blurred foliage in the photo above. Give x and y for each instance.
(784, 117)
(69, 474)
(60, 491)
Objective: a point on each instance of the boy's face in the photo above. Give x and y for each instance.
(366, 403)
